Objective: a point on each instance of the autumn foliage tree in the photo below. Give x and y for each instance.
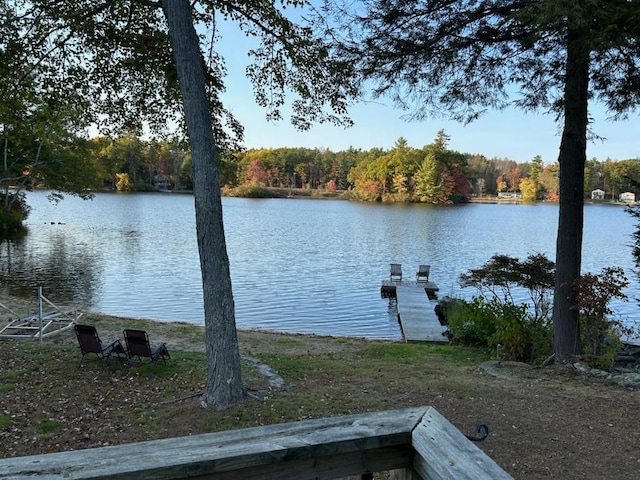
(257, 173)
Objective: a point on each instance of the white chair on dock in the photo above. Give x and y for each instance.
(396, 272)
(422, 275)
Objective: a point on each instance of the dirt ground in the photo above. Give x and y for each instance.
(544, 423)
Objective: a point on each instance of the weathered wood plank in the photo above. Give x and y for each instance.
(391, 285)
(326, 467)
(320, 448)
(417, 318)
(313, 449)
(443, 452)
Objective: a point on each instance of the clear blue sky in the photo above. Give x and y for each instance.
(504, 134)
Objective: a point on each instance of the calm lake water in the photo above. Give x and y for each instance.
(311, 266)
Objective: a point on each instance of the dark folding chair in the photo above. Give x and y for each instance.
(396, 272)
(422, 275)
(139, 349)
(90, 343)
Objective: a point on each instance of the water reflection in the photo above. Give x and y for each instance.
(69, 269)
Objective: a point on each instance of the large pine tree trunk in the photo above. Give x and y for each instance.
(572, 158)
(224, 382)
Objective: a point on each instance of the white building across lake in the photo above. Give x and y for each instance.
(627, 197)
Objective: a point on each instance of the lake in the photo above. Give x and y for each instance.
(297, 265)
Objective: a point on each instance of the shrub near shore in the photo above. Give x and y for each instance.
(523, 332)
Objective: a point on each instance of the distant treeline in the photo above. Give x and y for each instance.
(433, 173)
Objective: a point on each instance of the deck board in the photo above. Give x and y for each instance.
(389, 286)
(417, 317)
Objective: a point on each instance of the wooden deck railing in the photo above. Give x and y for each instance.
(416, 443)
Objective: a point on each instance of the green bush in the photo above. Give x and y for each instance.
(524, 332)
(470, 323)
(250, 191)
(519, 335)
(507, 329)
(142, 186)
(493, 319)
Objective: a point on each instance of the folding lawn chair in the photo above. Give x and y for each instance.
(90, 343)
(422, 275)
(139, 349)
(396, 272)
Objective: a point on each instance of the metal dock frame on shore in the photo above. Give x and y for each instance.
(39, 325)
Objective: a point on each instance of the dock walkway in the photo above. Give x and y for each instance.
(417, 317)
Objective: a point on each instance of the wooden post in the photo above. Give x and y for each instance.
(443, 452)
(40, 313)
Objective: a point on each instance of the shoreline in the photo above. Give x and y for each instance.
(181, 335)
(22, 307)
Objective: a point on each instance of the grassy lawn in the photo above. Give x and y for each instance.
(550, 422)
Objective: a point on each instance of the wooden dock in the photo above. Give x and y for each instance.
(388, 289)
(416, 314)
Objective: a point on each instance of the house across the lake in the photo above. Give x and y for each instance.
(597, 194)
(510, 195)
(627, 197)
